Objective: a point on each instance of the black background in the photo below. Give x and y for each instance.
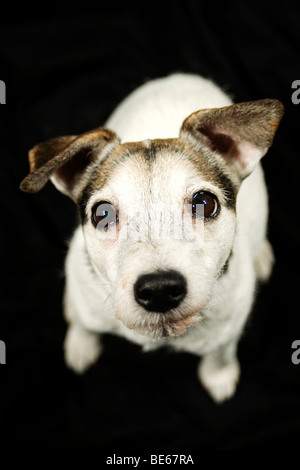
(65, 71)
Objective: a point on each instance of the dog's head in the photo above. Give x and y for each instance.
(159, 216)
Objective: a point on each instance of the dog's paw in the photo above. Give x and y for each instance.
(264, 261)
(82, 348)
(220, 382)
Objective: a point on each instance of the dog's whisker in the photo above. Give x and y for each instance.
(108, 298)
(101, 284)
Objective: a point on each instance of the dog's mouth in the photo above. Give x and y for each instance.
(168, 325)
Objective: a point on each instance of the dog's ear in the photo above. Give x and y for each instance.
(240, 133)
(65, 159)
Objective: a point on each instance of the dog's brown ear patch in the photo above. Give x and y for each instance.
(44, 151)
(240, 133)
(65, 159)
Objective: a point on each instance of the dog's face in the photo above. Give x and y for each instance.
(160, 228)
(159, 216)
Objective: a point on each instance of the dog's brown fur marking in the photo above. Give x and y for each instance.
(49, 157)
(249, 121)
(148, 153)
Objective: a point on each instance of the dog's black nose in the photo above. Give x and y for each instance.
(160, 291)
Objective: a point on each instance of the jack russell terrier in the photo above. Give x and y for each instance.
(173, 208)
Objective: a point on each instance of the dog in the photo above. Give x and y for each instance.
(179, 157)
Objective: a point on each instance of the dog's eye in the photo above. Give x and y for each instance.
(104, 215)
(209, 203)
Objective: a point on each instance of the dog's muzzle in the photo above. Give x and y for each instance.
(160, 291)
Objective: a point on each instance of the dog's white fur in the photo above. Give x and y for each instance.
(101, 272)
(95, 306)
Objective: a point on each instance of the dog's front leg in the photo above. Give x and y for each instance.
(219, 372)
(82, 348)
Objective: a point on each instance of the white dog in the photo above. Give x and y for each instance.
(173, 233)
